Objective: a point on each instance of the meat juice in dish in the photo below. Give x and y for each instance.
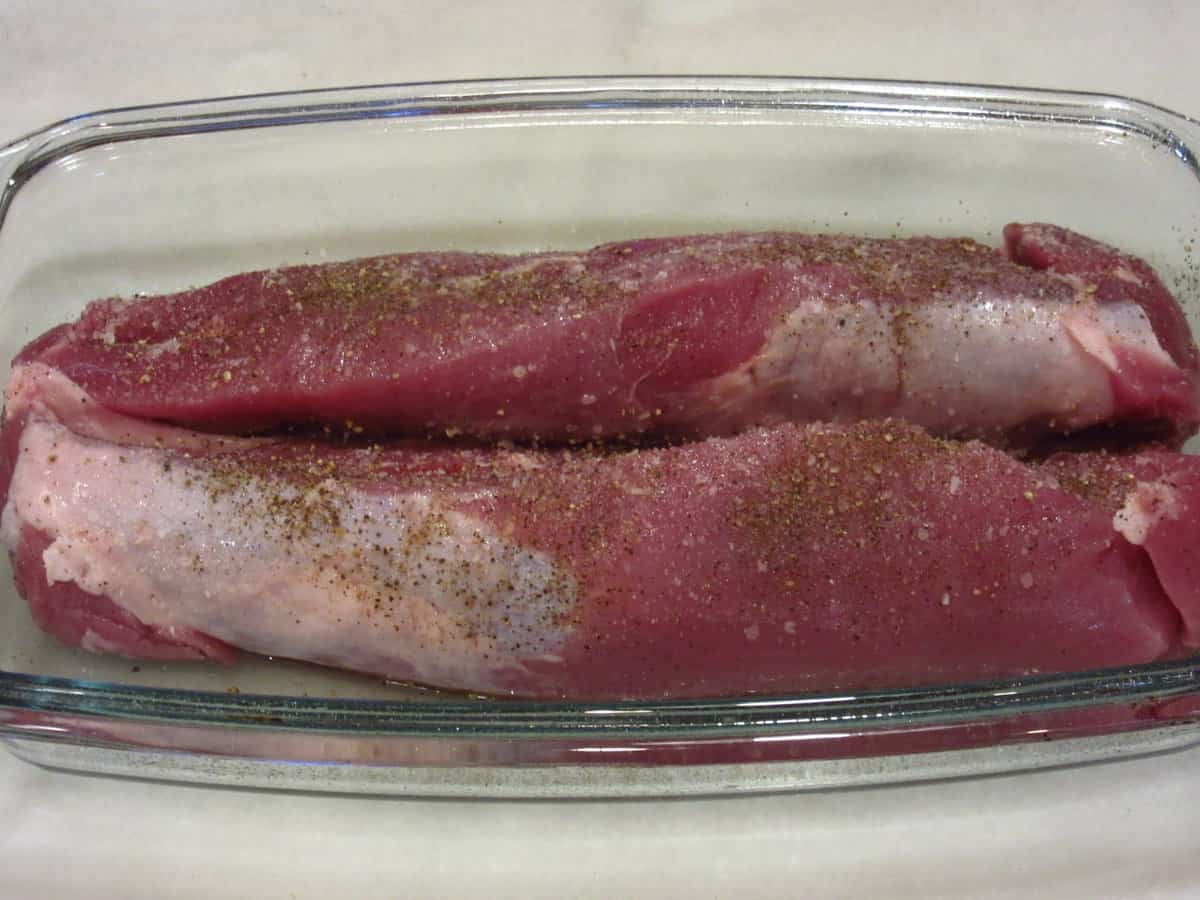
(813, 534)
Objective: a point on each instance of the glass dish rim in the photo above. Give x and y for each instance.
(22, 159)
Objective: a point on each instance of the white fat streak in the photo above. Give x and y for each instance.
(830, 361)
(1128, 275)
(1013, 360)
(1146, 505)
(1113, 324)
(133, 532)
(97, 644)
(37, 389)
(154, 351)
(1129, 323)
(518, 267)
(1008, 361)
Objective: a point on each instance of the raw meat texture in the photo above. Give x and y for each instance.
(783, 559)
(677, 338)
(82, 619)
(1154, 496)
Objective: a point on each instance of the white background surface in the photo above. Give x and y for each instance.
(1120, 830)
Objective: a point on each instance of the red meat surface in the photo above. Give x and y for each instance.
(782, 559)
(679, 337)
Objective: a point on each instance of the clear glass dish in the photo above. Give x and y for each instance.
(161, 198)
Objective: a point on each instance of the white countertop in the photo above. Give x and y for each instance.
(1118, 829)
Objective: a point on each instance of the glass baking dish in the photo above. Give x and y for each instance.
(160, 198)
